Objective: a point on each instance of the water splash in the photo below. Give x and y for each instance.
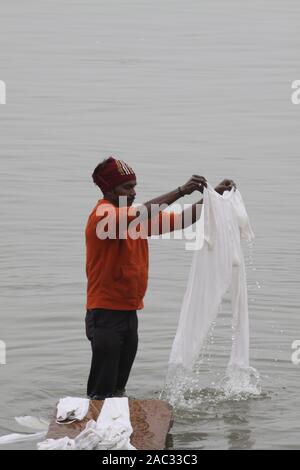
(240, 383)
(186, 390)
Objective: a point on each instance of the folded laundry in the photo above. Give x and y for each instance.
(112, 430)
(70, 409)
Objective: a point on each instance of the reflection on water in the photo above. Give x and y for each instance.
(239, 434)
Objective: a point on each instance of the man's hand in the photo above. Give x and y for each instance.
(195, 183)
(225, 185)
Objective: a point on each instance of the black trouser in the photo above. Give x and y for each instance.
(114, 340)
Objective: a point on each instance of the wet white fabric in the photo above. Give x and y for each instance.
(72, 409)
(115, 421)
(217, 267)
(15, 437)
(65, 443)
(112, 431)
(30, 422)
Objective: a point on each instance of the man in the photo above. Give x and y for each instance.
(117, 271)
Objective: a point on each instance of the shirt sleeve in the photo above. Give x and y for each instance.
(113, 222)
(164, 222)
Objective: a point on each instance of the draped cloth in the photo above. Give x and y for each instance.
(217, 267)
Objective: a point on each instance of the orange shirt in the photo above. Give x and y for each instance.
(117, 269)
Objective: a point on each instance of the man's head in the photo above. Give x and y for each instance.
(115, 178)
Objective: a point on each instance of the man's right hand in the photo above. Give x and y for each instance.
(195, 183)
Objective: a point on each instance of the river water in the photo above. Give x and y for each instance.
(174, 88)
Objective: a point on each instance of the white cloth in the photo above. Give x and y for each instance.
(72, 409)
(15, 437)
(111, 431)
(217, 266)
(65, 443)
(30, 422)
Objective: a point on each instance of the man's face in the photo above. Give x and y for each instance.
(126, 189)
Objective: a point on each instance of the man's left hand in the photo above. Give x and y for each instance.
(225, 185)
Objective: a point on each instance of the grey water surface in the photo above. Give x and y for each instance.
(174, 88)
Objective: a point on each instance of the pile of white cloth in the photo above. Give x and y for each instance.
(217, 267)
(111, 431)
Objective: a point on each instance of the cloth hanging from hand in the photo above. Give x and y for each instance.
(217, 266)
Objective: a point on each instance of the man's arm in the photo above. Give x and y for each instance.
(192, 214)
(195, 183)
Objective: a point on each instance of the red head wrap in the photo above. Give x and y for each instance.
(111, 173)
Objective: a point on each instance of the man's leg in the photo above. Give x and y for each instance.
(128, 352)
(106, 347)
